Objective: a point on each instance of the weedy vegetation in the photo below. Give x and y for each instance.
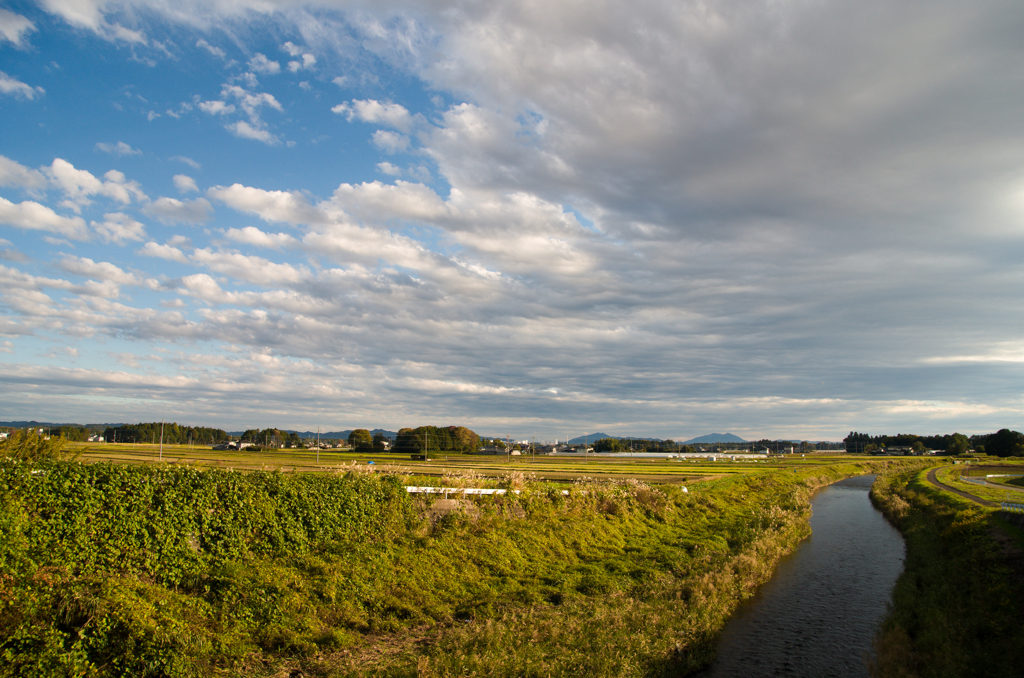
(958, 606)
(116, 570)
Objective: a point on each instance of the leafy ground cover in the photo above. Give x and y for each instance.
(117, 570)
(958, 605)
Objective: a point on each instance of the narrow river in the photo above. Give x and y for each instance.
(818, 614)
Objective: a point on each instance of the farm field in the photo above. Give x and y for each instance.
(544, 468)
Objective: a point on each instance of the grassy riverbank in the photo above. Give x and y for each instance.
(958, 606)
(166, 571)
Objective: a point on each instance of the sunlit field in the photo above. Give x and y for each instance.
(539, 467)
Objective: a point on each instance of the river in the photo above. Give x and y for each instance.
(819, 613)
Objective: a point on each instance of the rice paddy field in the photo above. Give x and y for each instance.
(560, 468)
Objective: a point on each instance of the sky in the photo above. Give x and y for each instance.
(782, 219)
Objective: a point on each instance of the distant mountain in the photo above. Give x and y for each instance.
(589, 439)
(594, 437)
(715, 438)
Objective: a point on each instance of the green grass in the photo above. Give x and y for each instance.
(952, 476)
(117, 570)
(958, 605)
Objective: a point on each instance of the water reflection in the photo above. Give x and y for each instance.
(818, 614)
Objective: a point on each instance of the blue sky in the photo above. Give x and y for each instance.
(661, 219)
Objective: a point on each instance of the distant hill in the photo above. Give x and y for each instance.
(594, 437)
(589, 438)
(715, 438)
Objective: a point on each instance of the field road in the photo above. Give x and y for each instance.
(966, 495)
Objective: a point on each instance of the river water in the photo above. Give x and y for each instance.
(819, 613)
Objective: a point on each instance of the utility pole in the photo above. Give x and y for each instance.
(161, 440)
(318, 444)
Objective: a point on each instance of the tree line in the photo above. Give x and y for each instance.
(173, 434)
(454, 439)
(1002, 443)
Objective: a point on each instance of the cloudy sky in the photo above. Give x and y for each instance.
(788, 218)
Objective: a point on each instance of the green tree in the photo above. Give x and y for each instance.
(29, 445)
(360, 440)
(607, 445)
(958, 444)
(1005, 443)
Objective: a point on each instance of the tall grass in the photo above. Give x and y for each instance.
(134, 571)
(958, 607)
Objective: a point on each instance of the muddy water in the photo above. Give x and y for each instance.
(818, 614)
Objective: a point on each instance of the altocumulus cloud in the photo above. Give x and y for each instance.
(657, 218)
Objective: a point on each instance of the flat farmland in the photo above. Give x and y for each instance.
(541, 468)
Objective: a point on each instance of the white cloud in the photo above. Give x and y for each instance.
(261, 64)
(216, 107)
(215, 51)
(18, 89)
(102, 270)
(308, 63)
(188, 161)
(33, 216)
(371, 110)
(292, 49)
(15, 175)
(252, 269)
(250, 235)
(152, 249)
(14, 27)
(390, 142)
(251, 102)
(288, 207)
(79, 185)
(174, 211)
(120, 149)
(117, 227)
(246, 131)
(185, 184)
(89, 14)
(654, 206)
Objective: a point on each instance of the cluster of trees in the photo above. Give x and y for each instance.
(457, 439)
(272, 437)
(173, 434)
(362, 441)
(75, 434)
(625, 445)
(1003, 443)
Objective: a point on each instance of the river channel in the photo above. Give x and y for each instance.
(819, 613)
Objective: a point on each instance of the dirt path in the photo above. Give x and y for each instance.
(966, 495)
